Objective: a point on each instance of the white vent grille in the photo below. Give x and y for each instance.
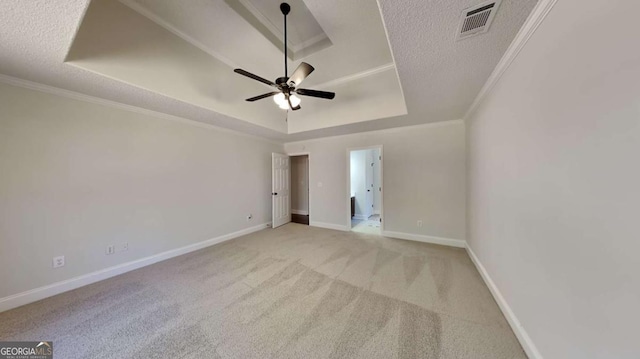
(476, 20)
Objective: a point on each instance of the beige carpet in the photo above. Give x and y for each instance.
(292, 292)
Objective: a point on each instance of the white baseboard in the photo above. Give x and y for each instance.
(337, 227)
(427, 239)
(17, 300)
(360, 217)
(298, 211)
(524, 339)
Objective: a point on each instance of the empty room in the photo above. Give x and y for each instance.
(319, 179)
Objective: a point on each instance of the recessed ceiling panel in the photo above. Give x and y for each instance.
(189, 54)
(119, 43)
(304, 35)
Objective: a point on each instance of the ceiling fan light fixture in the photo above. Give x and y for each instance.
(284, 106)
(280, 100)
(295, 100)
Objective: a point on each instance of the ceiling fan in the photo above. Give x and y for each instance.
(287, 87)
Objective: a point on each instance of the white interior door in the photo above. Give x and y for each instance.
(369, 184)
(280, 189)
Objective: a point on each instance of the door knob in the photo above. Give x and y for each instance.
(274, 193)
(368, 190)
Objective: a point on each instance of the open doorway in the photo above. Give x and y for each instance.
(300, 189)
(365, 184)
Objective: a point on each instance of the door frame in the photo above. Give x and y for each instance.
(348, 191)
(308, 154)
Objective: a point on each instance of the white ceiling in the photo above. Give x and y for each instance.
(176, 58)
(303, 30)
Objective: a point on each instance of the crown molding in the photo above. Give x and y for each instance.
(540, 11)
(14, 81)
(393, 57)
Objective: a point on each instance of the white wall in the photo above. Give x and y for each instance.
(76, 177)
(554, 182)
(423, 178)
(300, 184)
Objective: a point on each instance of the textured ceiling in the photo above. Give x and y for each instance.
(440, 77)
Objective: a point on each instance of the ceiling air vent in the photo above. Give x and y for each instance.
(477, 19)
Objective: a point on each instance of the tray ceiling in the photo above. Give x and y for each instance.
(188, 53)
(391, 63)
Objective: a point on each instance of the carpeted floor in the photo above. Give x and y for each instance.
(291, 292)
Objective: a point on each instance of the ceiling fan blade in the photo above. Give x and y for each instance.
(316, 93)
(260, 97)
(301, 73)
(291, 106)
(255, 77)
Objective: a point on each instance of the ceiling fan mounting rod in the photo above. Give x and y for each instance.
(285, 8)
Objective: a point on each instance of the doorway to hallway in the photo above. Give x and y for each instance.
(300, 189)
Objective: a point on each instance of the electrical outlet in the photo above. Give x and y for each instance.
(419, 223)
(249, 217)
(111, 249)
(125, 246)
(58, 262)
